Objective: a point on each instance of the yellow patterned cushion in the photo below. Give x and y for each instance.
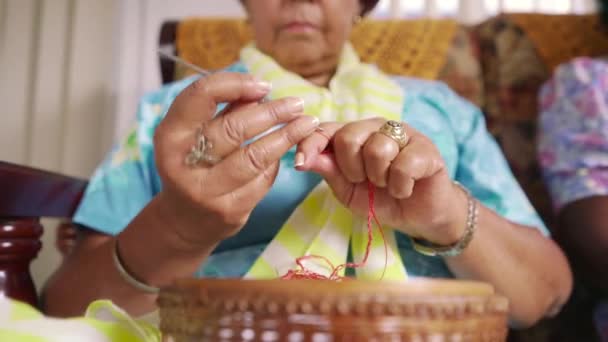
(560, 38)
(211, 44)
(416, 48)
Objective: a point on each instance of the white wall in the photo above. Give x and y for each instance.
(54, 67)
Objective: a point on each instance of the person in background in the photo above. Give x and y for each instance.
(194, 193)
(573, 153)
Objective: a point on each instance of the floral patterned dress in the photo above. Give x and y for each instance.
(573, 139)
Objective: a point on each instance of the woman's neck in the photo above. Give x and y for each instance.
(318, 73)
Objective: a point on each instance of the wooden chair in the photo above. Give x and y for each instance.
(26, 196)
(166, 41)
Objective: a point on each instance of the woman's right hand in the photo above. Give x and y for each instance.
(204, 204)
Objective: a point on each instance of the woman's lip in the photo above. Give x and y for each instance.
(299, 27)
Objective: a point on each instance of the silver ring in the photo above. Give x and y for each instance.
(201, 151)
(396, 131)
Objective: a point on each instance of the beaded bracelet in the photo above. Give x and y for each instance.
(126, 276)
(432, 249)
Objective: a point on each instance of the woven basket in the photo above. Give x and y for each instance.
(308, 310)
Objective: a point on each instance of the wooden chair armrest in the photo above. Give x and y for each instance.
(26, 195)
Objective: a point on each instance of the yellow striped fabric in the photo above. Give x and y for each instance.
(320, 225)
(103, 322)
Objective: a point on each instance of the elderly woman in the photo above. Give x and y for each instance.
(246, 191)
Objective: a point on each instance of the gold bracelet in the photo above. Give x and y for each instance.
(126, 276)
(431, 249)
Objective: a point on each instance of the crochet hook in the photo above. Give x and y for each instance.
(204, 72)
(183, 62)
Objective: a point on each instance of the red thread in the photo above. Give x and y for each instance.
(304, 273)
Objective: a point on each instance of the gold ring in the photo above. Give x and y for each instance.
(396, 131)
(201, 151)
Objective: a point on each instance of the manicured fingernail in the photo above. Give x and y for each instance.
(263, 85)
(315, 121)
(295, 104)
(299, 159)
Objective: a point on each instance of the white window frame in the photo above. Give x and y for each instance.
(471, 11)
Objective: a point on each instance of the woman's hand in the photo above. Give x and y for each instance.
(207, 203)
(414, 192)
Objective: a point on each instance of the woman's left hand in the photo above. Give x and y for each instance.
(414, 193)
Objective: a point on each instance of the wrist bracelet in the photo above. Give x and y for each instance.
(432, 249)
(126, 276)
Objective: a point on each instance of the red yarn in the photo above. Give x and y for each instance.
(304, 273)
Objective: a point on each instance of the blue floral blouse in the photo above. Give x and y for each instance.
(127, 180)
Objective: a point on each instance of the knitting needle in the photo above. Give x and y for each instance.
(183, 62)
(193, 67)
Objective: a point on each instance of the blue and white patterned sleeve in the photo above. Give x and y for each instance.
(481, 166)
